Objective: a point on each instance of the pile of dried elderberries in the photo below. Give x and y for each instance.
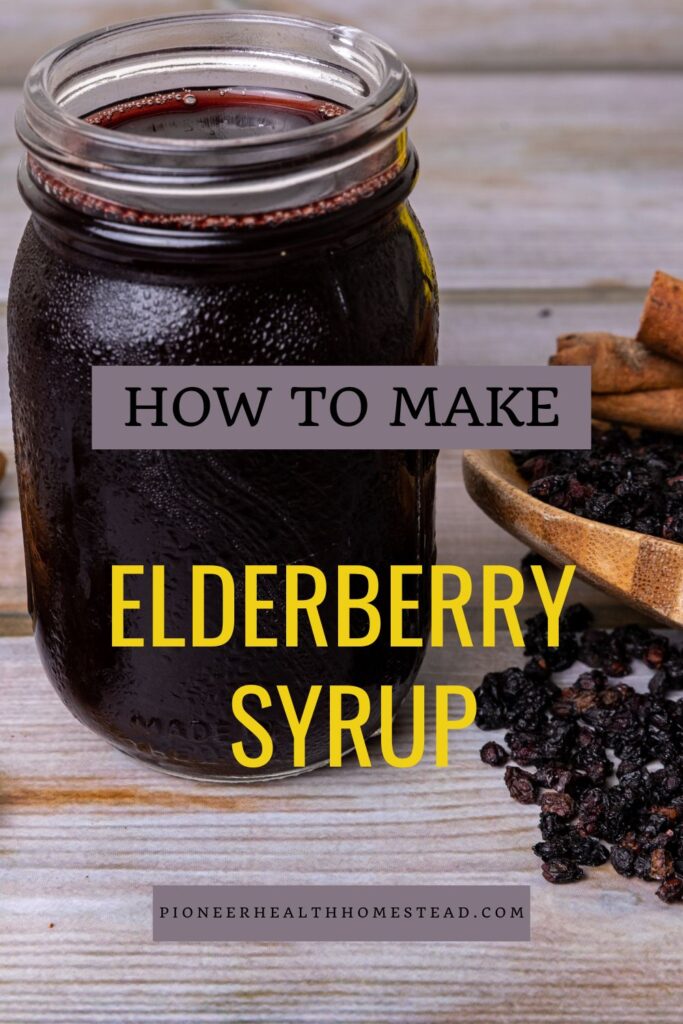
(635, 482)
(586, 752)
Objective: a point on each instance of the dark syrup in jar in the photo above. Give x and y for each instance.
(216, 113)
(355, 288)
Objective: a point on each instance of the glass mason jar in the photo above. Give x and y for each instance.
(212, 189)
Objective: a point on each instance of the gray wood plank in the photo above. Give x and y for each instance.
(85, 832)
(29, 29)
(528, 181)
(518, 329)
(497, 35)
(550, 181)
(443, 34)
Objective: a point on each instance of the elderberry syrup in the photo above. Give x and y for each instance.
(213, 189)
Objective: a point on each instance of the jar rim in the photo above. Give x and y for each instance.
(81, 76)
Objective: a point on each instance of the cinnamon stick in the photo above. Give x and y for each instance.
(661, 325)
(656, 410)
(618, 364)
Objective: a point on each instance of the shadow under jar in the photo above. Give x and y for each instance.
(213, 189)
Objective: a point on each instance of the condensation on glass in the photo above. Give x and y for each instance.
(212, 189)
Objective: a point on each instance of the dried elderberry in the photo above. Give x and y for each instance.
(567, 736)
(671, 891)
(492, 753)
(521, 786)
(560, 804)
(561, 871)
(632, 482)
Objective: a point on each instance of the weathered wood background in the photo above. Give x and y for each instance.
(478, 35)
(552, 155)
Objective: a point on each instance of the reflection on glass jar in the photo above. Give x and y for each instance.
(212, 189)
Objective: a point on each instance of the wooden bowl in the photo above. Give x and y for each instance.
(646, 572)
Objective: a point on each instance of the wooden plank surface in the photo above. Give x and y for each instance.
(528, 181)
(31, 28)
(85, 832)
(436, 34)
(496, 35)
(560, 181)
(549, 199)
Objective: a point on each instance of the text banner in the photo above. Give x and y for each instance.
(329, 408)
(341, 913)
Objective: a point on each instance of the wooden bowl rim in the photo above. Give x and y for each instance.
(473, 458)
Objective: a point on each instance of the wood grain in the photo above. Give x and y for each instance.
(497, 35)
(645, 572)
(85, 832)
(31, 28)
(548, 200)
(442, 34)
(528, 181)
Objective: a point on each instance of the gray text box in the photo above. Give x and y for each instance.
(190, 407)
(338, 913)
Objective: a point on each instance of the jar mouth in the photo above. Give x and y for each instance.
(248, 174)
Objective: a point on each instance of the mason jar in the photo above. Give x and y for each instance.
(212, 189)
